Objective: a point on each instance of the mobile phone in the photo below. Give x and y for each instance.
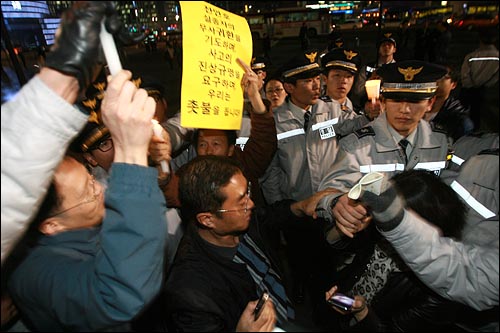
(341, 302)
(260, 304)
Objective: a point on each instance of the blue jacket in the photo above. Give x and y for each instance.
(95, 278)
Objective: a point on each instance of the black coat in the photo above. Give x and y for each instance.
(206, 291)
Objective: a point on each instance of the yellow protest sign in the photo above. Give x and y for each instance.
(212, 39)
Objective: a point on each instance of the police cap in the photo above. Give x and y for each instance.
(341, 58)
(387, 37)
(411, 80)
(258, 63)
(302, 66)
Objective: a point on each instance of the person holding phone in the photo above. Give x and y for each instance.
(225, 259)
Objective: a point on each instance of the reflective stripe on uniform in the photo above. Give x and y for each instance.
(483, 59)
(381, 167)
(291, 133)
(457, 160)
(471, 201)
(242, 140)
(325, 124)
(431, 166)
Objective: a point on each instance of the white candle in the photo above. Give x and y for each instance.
(157, 129)
(110, 52)
(372, 89)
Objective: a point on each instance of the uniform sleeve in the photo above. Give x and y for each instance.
(37, 127)
(272, 181)
(464, 273)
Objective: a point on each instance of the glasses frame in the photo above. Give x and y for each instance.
(94, 197)
(245, 210)
(99, 146)
(275, 91)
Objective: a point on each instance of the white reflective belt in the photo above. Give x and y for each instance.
(325, 124)
(457, 160)
(381, 167)
(242, 140)
(431, 165)
(291, 133)
(483, 58)
(471, 201)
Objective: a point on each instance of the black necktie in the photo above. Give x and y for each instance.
(403, 144)
(307, 116)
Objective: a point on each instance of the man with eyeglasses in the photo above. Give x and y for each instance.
(98, 257)
(224, 261)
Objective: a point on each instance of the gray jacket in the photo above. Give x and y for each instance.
(373, 148)
(303, 159)
(465, 273)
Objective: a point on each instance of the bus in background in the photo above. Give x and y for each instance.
(287, 23)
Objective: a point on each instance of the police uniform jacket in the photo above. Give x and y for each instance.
(477, 185)
(373, 148)
(303, 159)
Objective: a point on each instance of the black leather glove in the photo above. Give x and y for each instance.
(387, 208)
(77, 50)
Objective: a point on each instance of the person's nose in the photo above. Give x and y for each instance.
(404, 107)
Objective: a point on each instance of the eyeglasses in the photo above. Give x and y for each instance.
(244, 210)
(93, 198)
(274, 91)
(105, 145)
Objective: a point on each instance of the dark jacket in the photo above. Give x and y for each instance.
(206, 291)
(454, 118)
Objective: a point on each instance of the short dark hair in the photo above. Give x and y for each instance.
(230, 134)
(432, 199)
(200, 183)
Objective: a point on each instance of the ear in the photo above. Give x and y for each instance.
(431, 103)
(90, 159)
(51, 226)
(230, 150)
(288, 87)
(453, 85)
(205, 219)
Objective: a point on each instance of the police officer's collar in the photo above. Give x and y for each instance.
(398, 137)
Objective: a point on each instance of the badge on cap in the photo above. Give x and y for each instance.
(312, 56)
(388, 35)
(350, 54)
(409, 72)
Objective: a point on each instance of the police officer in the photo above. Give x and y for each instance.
(397, 140)
(386, 48)
(259, 67)
(340, 66)
(307, 129)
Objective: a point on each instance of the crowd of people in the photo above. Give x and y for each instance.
(97, 235)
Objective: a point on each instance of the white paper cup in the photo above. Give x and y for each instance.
(371, 182)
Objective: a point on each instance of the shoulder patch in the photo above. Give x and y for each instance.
(438, 128)
(325, 98)
(489, 152)
(365, 131)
